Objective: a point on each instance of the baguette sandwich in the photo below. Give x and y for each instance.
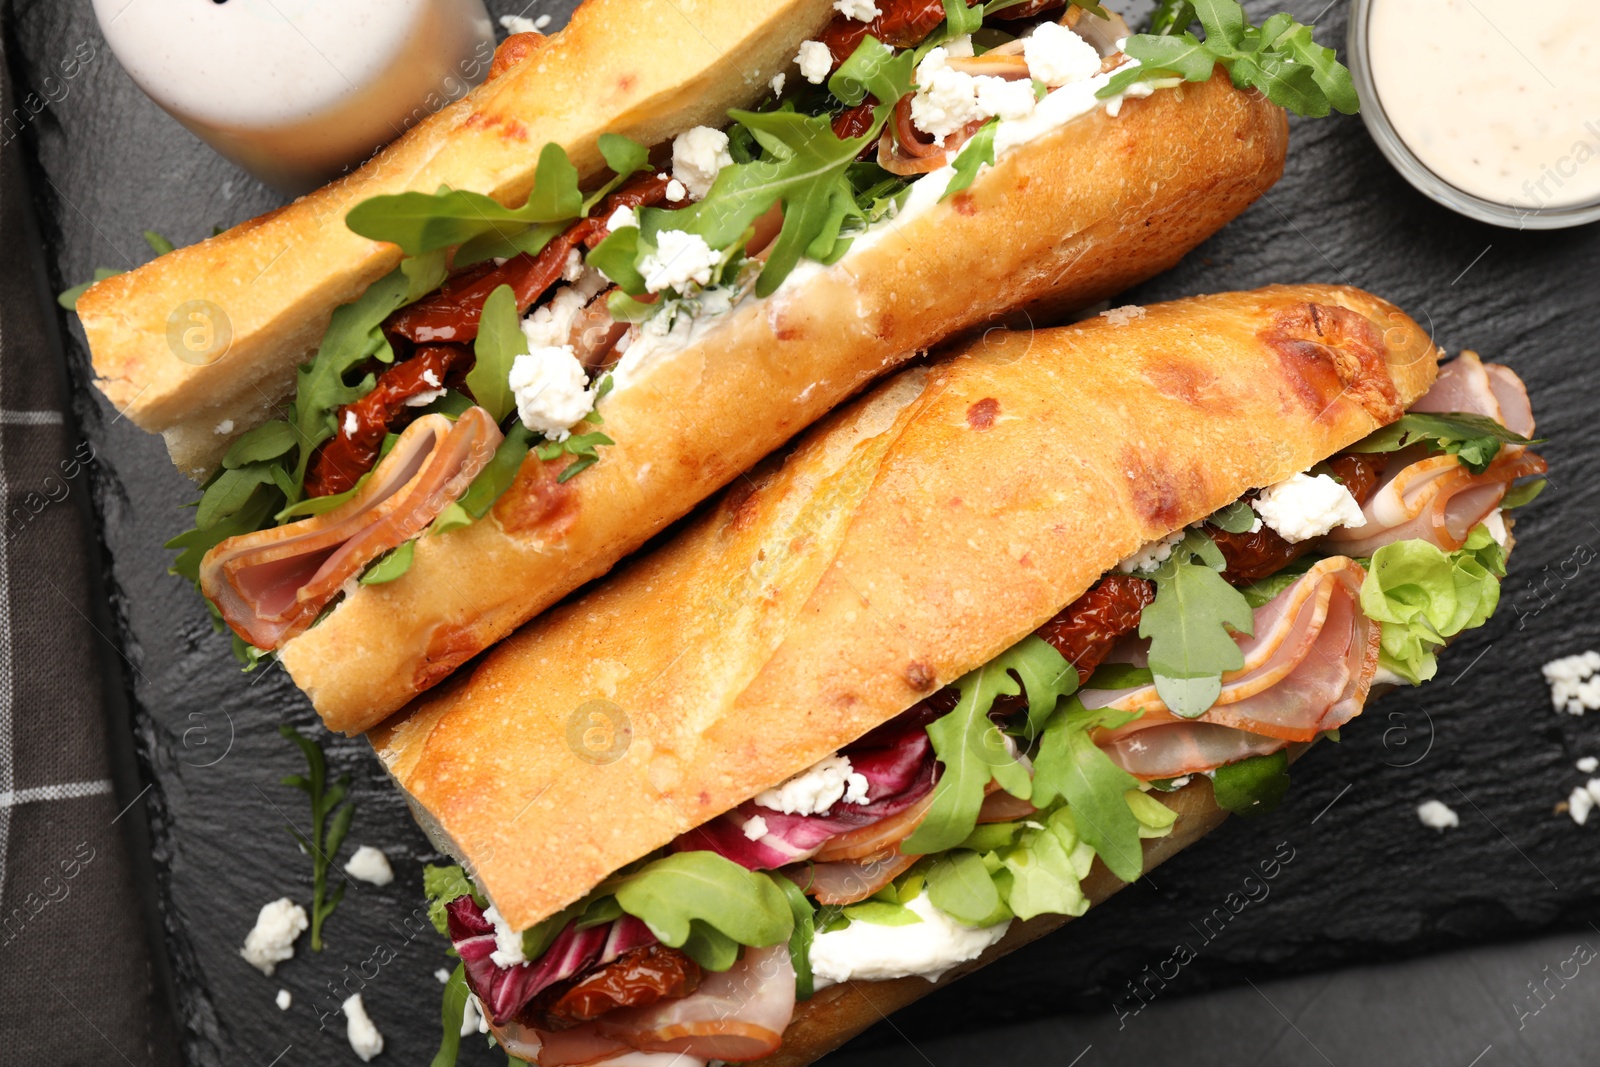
(435, 397)
(988, 643)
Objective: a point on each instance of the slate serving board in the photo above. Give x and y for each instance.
(1367, 883)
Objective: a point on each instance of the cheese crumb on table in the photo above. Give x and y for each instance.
(370, 865)
(284, 999)
(363, 1035)
(1579, 804)
(1588, 765)
(442, 975)
(1574, 688)
(1437, 815)
(272, 940)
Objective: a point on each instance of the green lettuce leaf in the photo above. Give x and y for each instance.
(1189, 624)
(1047, 867)
(805, 932)
(1424, 596)
(500, 341)
(441, 885)
(1473, 439)
(960, 884)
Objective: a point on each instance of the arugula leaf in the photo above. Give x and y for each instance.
(874, 69)
(158, 244)
(452, 1009)
(971, 747)
(393, 564)
(625, 157)
(959, 884)
(1252, 786)
(69, 298)
(423, 222)
(1424, 596)
(267, 441)
(1526, 493)
(672, 894)
(1473, 439)
(508, 243)
(441, 885)
(1119, 676)
(353, 337)
(585, 446)
(228, 492)
(974, 154)
(960, 19)
(1259, 592)
(330, 822)
(500, 341)
(195, 542)
(1188, 626)
(1279, 58)
(1072, 767)
(1172, 16)
(882, 913)
(1237, 518)
(498, 474)
(542, 934)
(805, 932)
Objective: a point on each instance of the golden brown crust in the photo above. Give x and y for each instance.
(1069, 219)
(903, 543)
(278, 278)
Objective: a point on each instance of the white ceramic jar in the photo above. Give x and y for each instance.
(298, 91)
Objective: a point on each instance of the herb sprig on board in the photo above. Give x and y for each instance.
(331, 813)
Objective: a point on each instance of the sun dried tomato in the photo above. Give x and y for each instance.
(642, 976)
(1359, 472)
(451, 313)
(1029, 9)
(1086, 629)
(1253, 556)
(359, 427)
(854, 121)
(899, 24)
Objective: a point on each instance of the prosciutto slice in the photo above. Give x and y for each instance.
(736, 1015)
(272, 584)
(1171, 749)
(1307, 668)
(1468, 384)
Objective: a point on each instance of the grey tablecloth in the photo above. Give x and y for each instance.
(77, 983)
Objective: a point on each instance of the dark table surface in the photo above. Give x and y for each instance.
(1331, 966)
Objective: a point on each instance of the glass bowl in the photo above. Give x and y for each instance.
(1417, 173)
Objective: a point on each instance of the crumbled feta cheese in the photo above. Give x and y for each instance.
(698, 156)
(518, 24)
(272, 939)
(1177, 783)
(622, 217)
(572, 269)
(1437, 815)
(1495, 523)
(424, 398)
(755, 828)
(1056, 56)
(1123, 315)
(1152, 555)
(551, 389)
(442, 975)
(860, 10)
(945, 100)
(816, 62)
(1579, 805)
(507, 942)
(679, 259)
(225, 426)
(777, 83)
(350, 424)
(472, 1020)
(869, 952)
(284, 999)
(816, 790)
(369, 865)
(959, 47)
(550, 324)
(542, 21)
(431, 379)
(676, 193)
(363, 1036)
(1588, 765)
(1004, 99)
(1302, 507)
(1573, 685)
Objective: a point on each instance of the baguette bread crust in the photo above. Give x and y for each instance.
(910, 538)
(645, 68)
(1069, 219)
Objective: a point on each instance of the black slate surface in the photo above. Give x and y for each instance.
(1367, 882)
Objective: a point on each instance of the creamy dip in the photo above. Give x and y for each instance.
(1500, 102)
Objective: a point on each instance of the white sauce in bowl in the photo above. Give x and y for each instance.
(1500, 102)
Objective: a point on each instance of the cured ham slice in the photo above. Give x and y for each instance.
(272, 584)
(1307, 668)
(736, 1015)
(850, 881)
(1177, 748)
(1436, 500)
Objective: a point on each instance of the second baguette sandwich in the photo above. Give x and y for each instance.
(989, 642)
(573, 354)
